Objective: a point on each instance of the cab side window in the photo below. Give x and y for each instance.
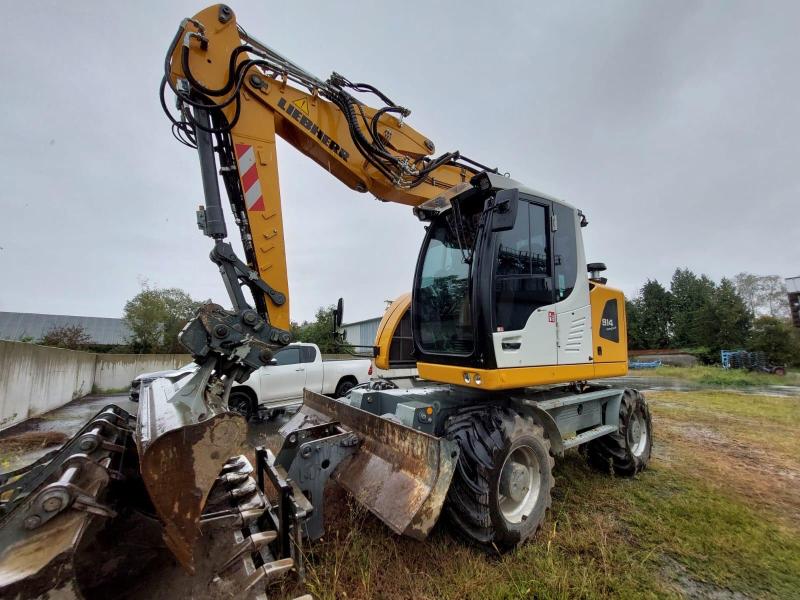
(308, 354)
(287, 356)
(565, 252)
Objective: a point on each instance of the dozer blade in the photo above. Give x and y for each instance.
(184, 436)
(400, 474)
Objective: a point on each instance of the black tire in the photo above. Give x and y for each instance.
(624, 452)
(475, 506)
(344, 386)
(242, 403)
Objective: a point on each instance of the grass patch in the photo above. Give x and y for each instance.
(710, 375)
(109, 391)
(691, 525)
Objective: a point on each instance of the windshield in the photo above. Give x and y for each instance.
(442, 307)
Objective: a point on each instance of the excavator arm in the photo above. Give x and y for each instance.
(234, 96)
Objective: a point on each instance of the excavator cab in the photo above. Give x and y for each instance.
(500, 299)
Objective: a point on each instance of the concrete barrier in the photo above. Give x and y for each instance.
(36, 379)
(115, 371)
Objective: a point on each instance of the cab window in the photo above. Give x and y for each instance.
(308, 353)
(287, 356)
(565, 252)
(523, 276)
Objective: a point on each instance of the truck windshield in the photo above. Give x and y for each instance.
(442, 313)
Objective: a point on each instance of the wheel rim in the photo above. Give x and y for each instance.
(345, 387)
(241, 407)
(637, 433)
(519, 484)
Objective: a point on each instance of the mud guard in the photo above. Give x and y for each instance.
(400, 474)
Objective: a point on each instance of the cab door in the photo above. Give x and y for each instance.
(525, 330)
(286, 378)
(573, 311)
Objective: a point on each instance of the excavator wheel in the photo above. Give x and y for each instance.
(501, 487)
(627, 451)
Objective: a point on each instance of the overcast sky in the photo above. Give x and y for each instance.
(674, 125)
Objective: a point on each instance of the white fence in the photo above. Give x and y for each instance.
(35, 379)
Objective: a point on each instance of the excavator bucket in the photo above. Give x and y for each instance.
(400, 474)
(184, 436)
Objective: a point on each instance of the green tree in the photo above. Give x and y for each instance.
(763, 294)
(748, 286)
(633, 317)
(690, 297)
(320, 332)
(777, 338)
(652, 316)
(773, 298)
(726, 320)
(72, 337)
(155, 316)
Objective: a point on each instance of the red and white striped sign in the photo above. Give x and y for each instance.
(246, 157)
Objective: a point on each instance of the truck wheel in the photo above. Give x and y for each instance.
(241, 403)
(626, 451)
(345, 385)
(501, 488)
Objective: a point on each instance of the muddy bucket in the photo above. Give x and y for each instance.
(184, 436)
(400, 474)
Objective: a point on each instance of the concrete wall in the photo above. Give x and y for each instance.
(115, 371)
(35, 379)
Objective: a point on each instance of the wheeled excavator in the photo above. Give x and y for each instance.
(504, 324)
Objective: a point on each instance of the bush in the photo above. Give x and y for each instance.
(778, 339)
(72, 337)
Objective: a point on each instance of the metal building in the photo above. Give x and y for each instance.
(361, 334)
(17, 326)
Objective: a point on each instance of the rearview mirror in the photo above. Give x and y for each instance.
(505, 210)
(338, 314)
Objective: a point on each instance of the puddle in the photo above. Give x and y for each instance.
(690, 587)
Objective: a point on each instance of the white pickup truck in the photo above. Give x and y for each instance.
(281, 384)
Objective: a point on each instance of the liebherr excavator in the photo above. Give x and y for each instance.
(502, 323)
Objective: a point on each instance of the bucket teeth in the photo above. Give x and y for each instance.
(246, 489)
(237, 464)
(268, 572)
(234, 478)
(254, 543)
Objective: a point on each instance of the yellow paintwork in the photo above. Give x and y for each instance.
(612, 363)
(518, 377)
(388, 326)
(263, 114)
(606, 351)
